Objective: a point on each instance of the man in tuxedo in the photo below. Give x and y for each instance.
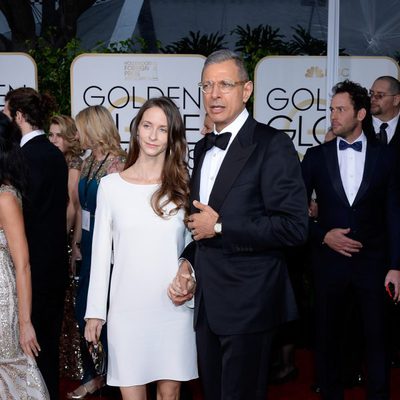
(45, 221)
(385, 111)
(355, 239)
(248, 204)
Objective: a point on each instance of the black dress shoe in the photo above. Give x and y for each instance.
(355, 380)
(395, 361)
(281, 379)
(315, 388)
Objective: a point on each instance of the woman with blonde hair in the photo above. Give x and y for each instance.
(141, 212)
(96, 132)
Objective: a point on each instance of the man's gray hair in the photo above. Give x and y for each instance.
(220, 56)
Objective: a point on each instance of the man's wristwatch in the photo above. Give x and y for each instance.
(218, 227)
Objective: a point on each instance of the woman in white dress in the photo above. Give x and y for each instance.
(140, 213)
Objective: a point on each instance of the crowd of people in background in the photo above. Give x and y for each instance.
(170, 275)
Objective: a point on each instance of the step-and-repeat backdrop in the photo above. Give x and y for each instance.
(16, 70)
(123, 82)
(289, 92)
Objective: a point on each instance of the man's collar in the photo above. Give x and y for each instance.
(28, 136)
(392, 122)
(237, 123)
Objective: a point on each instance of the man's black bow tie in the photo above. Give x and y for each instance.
(220, 140)
(357, 146)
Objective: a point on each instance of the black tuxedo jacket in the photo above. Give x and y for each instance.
(259, 194)
(395, 142)
(45, 214)
(374, 216)
(368, 128)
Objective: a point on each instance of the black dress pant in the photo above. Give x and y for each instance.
(331, 295)
(232, 367)
(47, 316)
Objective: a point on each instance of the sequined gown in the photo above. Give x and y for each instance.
(20, 378)
(70, 342)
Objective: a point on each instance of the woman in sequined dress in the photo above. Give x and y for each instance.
(63, 134)
(20, 377)
(97, 132)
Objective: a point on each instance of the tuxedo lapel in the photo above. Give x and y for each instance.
(371, 158)
(331, 158)
(196, 174)
(238, 153)
(395, 142)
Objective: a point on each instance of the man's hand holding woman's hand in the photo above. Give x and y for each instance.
(183, 286)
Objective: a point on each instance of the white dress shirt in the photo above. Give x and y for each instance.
(214, 157)
(351, 164)
(391, 128)
(27, 137)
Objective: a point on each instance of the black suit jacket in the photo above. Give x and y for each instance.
(395, 142)
(368, 128)
(45, 214)
(374, 216)
(259, 194)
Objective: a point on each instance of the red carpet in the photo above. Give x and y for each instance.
(299, 389)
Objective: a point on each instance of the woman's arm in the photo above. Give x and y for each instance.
(13, 224)
(77, 223)
(100, 268)
(76, 241)
(73, 204)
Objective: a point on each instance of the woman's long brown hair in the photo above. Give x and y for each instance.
(175, 176)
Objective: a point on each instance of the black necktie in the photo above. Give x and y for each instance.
(220, 140)
(382, 135)
(357, 146)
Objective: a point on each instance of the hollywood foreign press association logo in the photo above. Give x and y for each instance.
(141, 70)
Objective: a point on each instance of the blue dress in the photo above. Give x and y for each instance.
(91, 174)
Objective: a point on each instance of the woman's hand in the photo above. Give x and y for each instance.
(75, 256)
(27, 339)
(183, 286)
(93, 330)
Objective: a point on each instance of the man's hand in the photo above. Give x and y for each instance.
(182, 288)
(393, 276)
(202, 224)
(337, 240)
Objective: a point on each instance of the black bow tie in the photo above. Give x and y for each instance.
(220, 140)
(357, 146)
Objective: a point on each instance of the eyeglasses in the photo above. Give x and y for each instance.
(223, 86)
(379, 95)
